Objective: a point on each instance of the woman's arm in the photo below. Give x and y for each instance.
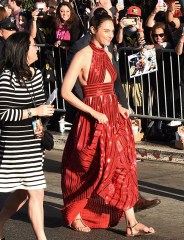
(9, 113)
(150, 20)
(170, 15)
(75, 69)
(33, 28)
(119, 36)
(179, 46)
(41, 111)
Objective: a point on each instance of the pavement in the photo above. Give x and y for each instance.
(157, 179)
(146, 150)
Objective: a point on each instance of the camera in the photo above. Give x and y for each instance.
(129, 21)
(40, 6)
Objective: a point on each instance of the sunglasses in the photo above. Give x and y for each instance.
(159, 35)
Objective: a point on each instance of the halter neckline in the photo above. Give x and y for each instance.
(96, 49)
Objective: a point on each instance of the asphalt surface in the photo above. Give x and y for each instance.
(156, 179)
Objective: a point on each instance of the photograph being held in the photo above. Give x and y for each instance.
(21, 160)
(100, 148)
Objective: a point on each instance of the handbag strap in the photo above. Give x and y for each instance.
(32, 96)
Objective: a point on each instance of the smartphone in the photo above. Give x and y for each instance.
(121, 2)
(129, 21)
(40, 5)
(52, 97)
(160, 3)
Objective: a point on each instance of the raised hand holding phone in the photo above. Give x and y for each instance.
(161, 6)
(177, 5)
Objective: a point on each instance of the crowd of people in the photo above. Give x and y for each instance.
(99, 172)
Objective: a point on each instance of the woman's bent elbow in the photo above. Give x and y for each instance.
(64, 94)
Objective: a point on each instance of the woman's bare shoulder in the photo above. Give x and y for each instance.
(84, 52)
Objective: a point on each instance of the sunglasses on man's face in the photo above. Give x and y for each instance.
(158, 35)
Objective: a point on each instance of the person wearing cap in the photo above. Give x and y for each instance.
(7, 28)
(127, 34)
(131, 36)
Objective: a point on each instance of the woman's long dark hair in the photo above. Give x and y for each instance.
(16, 50)
(72, 18)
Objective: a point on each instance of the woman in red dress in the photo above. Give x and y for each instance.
(99, 172)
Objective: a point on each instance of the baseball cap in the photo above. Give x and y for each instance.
(134, 10)
(8, 24)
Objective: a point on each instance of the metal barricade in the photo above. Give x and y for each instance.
(52, 63)
(157, 95)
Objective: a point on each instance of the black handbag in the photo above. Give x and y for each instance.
(47, 141)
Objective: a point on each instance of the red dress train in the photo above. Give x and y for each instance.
(99, 172)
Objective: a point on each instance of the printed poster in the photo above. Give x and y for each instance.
(142, 62)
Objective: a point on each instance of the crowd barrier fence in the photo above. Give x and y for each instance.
(157, 95)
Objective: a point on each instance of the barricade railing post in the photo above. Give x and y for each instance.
(163, 96)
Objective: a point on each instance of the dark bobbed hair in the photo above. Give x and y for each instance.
(157, 25)
(71, 20)
(16, 50)
(100, 16)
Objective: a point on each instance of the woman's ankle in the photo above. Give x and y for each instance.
(41, 237)
(131, 223)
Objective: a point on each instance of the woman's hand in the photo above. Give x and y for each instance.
(141, 41)
(44, 110)
(100, 117)
(119, 7)
(57, 43)
(174, 6)
(35, 14)
(182, 38)
(159, 8)
(121, 23)
(123, 111)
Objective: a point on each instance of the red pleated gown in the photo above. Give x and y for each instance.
(99, 171)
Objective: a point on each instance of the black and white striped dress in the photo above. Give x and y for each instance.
(21, 156)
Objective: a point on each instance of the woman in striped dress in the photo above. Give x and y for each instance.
(21, 156)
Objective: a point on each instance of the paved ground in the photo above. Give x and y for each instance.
(156, 179)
